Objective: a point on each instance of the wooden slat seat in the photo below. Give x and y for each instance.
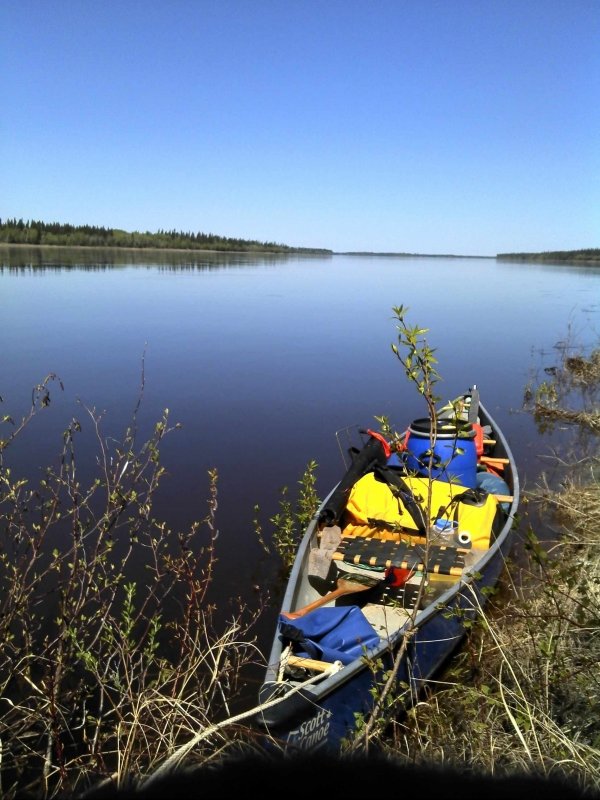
(371, 552)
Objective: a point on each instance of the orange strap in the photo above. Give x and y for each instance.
(386, 447)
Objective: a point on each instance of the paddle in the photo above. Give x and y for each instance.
(474, 404)
(346, 584)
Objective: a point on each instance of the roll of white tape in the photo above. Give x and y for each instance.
(464, 538)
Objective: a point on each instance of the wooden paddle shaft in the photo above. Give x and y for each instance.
(344, 587)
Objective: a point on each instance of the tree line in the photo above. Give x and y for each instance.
(36, 232)
(587, 254)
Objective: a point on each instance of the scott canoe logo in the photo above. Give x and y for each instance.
(313, 732)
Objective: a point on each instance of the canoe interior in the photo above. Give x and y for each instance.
(432, 573)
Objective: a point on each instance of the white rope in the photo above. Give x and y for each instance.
(182, 751)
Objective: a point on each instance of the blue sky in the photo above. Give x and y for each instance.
(450, 126)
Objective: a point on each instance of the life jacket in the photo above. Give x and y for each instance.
(386, 501)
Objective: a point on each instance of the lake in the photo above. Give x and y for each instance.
(263, 358)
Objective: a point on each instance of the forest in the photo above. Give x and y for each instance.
(36, 232)
(588, 254)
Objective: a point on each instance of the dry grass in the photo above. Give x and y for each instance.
(571, 392)
(524, 695)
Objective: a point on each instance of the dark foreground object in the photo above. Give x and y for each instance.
(326, 777)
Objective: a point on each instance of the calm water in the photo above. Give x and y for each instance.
(263, 359)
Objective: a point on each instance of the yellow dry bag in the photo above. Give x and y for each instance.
(384, 500)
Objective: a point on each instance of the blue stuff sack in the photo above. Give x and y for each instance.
(493, 484)
(330, 634)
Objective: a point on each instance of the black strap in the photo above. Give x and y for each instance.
(402, 491)
(362, 462)
(471, 497)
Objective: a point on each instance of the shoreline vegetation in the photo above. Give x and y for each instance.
(35, 233)
(41, 234)
(588, 255)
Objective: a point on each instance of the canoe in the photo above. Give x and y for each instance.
(395, 562)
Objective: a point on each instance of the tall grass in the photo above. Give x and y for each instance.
(109, 655)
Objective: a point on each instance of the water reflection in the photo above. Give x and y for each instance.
(25, 259)
(566, 267)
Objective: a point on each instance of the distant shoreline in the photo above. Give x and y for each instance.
(588, 257)
(118, 248)
(254, 251)
(404, 255)
(581, 257)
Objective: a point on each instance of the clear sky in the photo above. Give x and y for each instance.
(427, 126)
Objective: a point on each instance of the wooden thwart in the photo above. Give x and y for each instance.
(504, 498)
(493, 460)
(309, 663)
